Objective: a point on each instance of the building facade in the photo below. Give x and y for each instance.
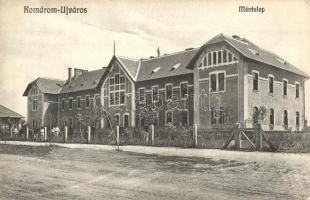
(236, 78)
(42, 102)
(227, 80)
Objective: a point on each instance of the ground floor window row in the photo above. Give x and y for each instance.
(285, 118)
(76, 103)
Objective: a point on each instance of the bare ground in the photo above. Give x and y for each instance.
(28, 172)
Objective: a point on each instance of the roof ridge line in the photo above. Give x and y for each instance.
(11, 110)
(56, 79)
(133, 59)
(171, 54)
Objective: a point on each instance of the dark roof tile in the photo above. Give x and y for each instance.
(6, 112)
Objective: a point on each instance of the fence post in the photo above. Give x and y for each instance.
(152, 132)
(45, 133)
(66, 134)
(259, 138)
(27, 132)
(88, 134)
(117, 135)
(196, 134)
(238, 137)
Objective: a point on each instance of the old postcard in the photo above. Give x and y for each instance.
(159, 99)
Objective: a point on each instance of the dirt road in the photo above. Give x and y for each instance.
(28, 172)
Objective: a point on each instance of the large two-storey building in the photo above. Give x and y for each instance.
(222, 82)
(239, 77)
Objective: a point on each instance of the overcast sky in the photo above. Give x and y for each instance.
(45, 45)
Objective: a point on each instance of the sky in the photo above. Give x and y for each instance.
(44, 45)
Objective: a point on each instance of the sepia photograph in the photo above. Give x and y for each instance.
(188, 99)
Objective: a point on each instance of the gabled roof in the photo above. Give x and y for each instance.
(159, 67)
(45, 85)
(86, 81)
(167, 65)
(252, 51)
(132, 66)
(6, 112)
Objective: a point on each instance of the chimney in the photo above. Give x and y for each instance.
(69, 74)
(77, 72)
(158, 52)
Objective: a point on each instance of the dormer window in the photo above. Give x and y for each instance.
(155, 70)
(176, 66)
(282, 61)
(253, 51)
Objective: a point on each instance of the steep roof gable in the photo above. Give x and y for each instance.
(45, 85)
(253, 52)
(86, 81)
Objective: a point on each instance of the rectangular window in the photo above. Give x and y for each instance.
(270, 84)
(255, 81)
(155, 97)
(209, 59)
(169, 117)
(297, 120)
(213, 116)
(79, 102)
(70, 123)
(230, 57)
(214, 58)
(117, 98)
(204, 61)
(285, 87)
(122, 98)
(34, 124)
(35, 104)
(219, 57)
(62, 104)
(116, 119)
(221, 81)
(122, 79)
(87, 101)
(35, 91)
(285, 119)
(271, 117)
(184, 90)
(126, 120)
(184, 118)
(225, 56)
(142, 97)
(217, 83)
(213, 82)
(222, 115)
(111, 81)
(297, 90)
(116, 78)
(168, 92)
(70, 103)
